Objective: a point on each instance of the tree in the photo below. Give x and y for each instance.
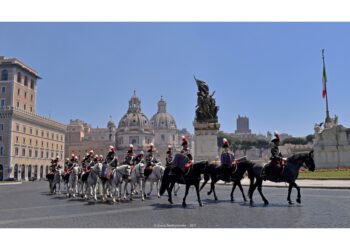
(246, 145)
(262, 145)
(295, 141)
(310, 138)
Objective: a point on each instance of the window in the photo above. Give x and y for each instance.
(25, 95)
(17, 104)
(25, 107)
(36, 132)
(16, 139)
(32, 84)
(31, 109)
(1, 127)
(36, 154)
(51, 154)
(18, 92)
(163, 138)
(31, 131)
(30, 141)
(24, 129)
(1, 150)
(16, 151)
(4, 75)
(42, 154)
(23, 152)
(52, 136)
(1, 139)
(17, 127)
(24, 140)
(47, 154)
(30, 153)
(2, 104)
(56, 146)
(42, 144)
(31, 97)
(36, 142)
(47, 135)
(3, 90)
(42, 133)
(25, 81)
(19, 77)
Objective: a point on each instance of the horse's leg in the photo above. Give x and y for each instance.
(260, 192)
(151, 183)
(212, 188)
(157, 186)
(198, 195)
(233, 190)
(142, 189)
(299, 195)
(177, 189)
(170, 189)
(186, 193)
(252, 188)
(132, 188)
(242, 191)
(289, 193)
(204, 183)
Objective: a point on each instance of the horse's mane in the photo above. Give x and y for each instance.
(297, 156)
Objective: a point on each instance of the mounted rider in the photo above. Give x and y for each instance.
(129, 158)
(139, 158)
(228, 161)
(169, 157)
(150, 160)
(184, 160)
(54, 164)
(276, 158)
(111, 158)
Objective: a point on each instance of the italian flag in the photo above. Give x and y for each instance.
(324, 82)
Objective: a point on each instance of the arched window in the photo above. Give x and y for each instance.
(1, 172)
(19, 77)
(23, 172)
(25, 81)
(32, 84)
(15, 174)
(4, 75)
(41, 172)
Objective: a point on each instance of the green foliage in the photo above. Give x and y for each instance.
(295, 141)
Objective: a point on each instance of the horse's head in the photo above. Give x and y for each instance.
(140, 168)
(309, 161)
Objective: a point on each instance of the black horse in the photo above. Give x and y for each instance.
(217, 172)
(289, 174)
(173, 175)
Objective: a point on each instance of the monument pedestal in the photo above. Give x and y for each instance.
(206, 141)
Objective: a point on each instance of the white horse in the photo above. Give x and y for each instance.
(72, 189)
(137, 177)
(55, 180)
(155, 177)
(93, 181)
(120, 174)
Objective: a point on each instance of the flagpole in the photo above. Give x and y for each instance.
(328, 119)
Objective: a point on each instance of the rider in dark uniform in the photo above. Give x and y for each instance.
(186, 151)
(111, 158)
(129, 158)
(150, 160)
(276, 156)
(227, 159)
(169, 157)
(139, 158)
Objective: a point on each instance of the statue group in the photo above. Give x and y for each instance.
(206, 109)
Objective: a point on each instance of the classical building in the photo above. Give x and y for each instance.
(28, 141)
(332, 145)
(81, 138)
(165, 130)
(133, 128)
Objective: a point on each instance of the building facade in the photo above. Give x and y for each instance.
(242, 125)
(81, 138)
(28, 141)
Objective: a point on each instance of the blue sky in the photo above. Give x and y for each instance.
(270, 72)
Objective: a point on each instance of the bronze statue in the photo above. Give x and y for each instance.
(206, 106)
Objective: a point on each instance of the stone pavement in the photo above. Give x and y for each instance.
(303, 183)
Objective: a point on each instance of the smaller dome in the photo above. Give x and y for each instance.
(162, 119)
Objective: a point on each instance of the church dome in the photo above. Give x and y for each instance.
(162, 119)
(134, 118)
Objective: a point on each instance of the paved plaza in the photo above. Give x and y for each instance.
(29, 205)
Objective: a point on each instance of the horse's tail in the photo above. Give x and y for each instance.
(165, 182)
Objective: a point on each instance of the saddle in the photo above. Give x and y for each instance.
(272, 171)
(148, 170)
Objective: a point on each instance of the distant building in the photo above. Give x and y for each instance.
(81, 138)
(242, 125)
(28, 141)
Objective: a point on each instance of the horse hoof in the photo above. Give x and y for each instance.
(245, 200)
(266, 203)
(299, 200)
(201, 204)
(208, 193)
(158, 196)
(251, 203)
(170, 201)
(232, 200)
(290, 203)
(184, 204)
(175, 194)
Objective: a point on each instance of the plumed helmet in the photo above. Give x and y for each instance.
(184, 141)
(76, 157)
(111, 148)
(131, 146)
(141, 153)
(91, 152)
(101, 156)
(226, 143)
(170, 147)
(276, 137)
(57, 157)
(73, 155)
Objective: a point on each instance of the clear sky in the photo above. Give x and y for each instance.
(270, 72)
